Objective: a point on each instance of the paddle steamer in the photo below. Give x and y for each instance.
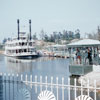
(22, 46)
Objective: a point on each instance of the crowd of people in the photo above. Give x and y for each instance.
(86, 55)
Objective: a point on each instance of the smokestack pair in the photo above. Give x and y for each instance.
(29, 28)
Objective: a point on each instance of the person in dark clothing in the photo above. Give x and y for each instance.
(90, 56)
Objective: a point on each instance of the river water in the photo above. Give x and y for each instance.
(44, 66)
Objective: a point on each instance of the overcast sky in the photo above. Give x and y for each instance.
(50, 15)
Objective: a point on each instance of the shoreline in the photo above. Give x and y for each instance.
(1, 51)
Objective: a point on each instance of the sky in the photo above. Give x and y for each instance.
(49, 15)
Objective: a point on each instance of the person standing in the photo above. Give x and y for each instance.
(90, 56)
(78, 56)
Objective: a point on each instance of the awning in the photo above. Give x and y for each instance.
(85, 43)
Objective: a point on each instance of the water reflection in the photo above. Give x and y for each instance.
(41, 66)
(1, 88)
(1, 56)
(17, 65)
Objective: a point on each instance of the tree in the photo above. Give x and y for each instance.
(42, 34)
(65, 35)
(35, 36)
(46, 38)
(98, 33)
(52, 39)
(77, 35)
(92, 35)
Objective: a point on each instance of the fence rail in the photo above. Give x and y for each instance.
(28, 87)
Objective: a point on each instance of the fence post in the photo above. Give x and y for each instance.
(9, 84)
(1, 86)
(35, 83)
(0, 74)
(31, 81)
(88, 88)
(5, 84)
(21, 80)
(31, 85)
(21, 77)
(46, 82)
(57, 87)
(81, 87)
(52, 84)
(69, 89)
(40, 83)
(26, 79)
(75, 87)
(17, 82)
(13, 84)
(95, 90)
(62, 88)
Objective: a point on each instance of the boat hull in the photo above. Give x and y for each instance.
(27, 57)
(23, 56)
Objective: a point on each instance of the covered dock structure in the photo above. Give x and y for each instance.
(83, 55)
(57, 50)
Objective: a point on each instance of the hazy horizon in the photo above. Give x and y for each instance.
(49, 15)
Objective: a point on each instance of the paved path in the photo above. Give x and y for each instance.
(92, 76)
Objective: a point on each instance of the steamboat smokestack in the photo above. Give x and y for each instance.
(30, 28)
(18, 27)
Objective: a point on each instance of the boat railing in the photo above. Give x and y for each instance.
(84, 61)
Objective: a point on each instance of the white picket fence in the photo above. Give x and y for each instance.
(19, 87)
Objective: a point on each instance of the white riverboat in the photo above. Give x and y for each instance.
(22, 46)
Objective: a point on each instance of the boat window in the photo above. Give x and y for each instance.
(22, 43)
(24, 38)
(30, 43)
(16, 51)
(19, 44)
(20, 50)
(28, 50)
(26, 43)
(25, 50)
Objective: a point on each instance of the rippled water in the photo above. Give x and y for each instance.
(41, 66)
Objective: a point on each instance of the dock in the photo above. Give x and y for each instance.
(57, 50)
(1, 52)
(79, 70)
(86, 55)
